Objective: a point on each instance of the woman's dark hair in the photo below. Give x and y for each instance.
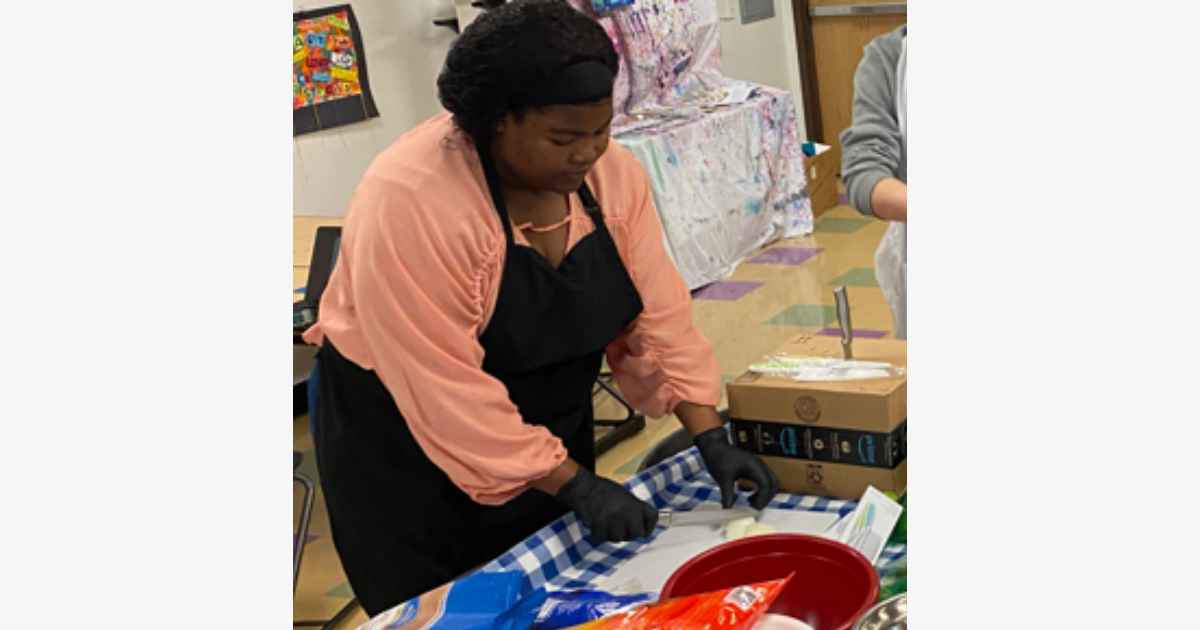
(509, 48)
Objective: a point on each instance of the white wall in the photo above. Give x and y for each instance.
(763, 52)
(404, 52)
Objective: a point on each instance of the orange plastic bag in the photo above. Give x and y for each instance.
(731, 609)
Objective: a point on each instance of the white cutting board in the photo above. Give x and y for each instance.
(656, 562)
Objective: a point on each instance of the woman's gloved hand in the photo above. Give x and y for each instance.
(610, 511)
(727, 465)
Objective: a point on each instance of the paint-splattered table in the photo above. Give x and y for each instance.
(726, 182)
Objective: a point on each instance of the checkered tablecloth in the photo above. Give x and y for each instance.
(561, 557)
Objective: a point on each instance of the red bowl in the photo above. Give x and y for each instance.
(833, 587)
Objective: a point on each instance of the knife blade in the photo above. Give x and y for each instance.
(843, 315)
(669, 518)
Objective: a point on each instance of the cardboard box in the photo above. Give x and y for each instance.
(822, 170)
(830, 439)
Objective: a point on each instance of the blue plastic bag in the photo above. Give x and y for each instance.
(499, 601)
(567, 610)
(484, 601)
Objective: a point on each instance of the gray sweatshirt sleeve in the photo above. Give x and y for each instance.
(872, 148)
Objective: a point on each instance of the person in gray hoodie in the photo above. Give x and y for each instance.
(875, 160)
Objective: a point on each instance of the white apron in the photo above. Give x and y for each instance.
(891, 261)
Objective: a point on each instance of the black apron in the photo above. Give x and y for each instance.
(400, 526)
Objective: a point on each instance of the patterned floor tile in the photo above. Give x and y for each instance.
(342, 591)
(791, 256)
(841, 226)
(808, 315)
(726, 291)
(860, 277)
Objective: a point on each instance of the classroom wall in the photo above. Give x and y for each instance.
(404, 53)
(763, 52)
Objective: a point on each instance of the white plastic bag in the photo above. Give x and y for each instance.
(891, 270)
(824, 369)
(891, 261)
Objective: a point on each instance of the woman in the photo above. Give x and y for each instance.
(490, 259)
(875, 161)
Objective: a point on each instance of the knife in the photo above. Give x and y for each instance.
(843, 314)
(669, 518)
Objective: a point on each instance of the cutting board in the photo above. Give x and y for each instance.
(673, 547)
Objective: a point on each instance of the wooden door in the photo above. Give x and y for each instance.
(832, 35)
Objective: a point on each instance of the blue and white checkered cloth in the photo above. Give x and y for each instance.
(561, 557)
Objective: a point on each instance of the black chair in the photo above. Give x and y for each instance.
(671, 446)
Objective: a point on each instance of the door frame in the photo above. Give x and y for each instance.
(806, 48)
(808, 71)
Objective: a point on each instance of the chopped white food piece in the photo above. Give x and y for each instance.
(758, 529)
(736, 530)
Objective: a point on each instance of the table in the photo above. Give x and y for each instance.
(560, 557)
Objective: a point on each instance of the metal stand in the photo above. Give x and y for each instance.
(633, 423)
(310, 492)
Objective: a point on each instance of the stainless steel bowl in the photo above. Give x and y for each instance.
(890, 615)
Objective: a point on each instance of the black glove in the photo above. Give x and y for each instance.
(727, 465)
(609, 510)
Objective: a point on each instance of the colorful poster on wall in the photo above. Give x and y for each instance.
(329, 71)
